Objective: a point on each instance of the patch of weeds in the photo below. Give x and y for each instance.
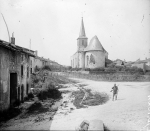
(65, 91)
(49, 92)
(93, 99)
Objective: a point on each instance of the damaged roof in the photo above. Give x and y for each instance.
(16, 48)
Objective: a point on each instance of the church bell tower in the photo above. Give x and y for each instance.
(82, 39)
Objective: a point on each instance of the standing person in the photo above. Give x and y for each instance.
(115, 91)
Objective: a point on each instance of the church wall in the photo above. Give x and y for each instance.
(82, 60)
(94, 59)
(74, 60)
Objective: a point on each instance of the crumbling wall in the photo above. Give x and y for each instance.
(4, 79)
(10, 62)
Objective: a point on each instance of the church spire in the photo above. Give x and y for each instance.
(82, 30)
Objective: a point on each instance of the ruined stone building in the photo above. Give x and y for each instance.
(88, 56)
(15, 70)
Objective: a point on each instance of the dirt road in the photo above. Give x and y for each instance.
(129, 112)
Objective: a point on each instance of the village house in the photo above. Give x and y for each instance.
(119, 62)
(143, 64)
(39, 62)
(88, 56)
(15, 71)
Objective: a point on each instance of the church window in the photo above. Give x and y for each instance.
(87, 60)
(92, 60)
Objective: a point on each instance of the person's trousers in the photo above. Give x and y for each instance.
(115, 96)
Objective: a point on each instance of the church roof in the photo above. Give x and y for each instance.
(95, 44)
(82, 30)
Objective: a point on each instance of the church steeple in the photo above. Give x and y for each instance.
(82, 30)
(82, 39)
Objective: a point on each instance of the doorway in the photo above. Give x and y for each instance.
(13, 88)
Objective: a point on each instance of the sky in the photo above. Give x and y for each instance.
(122, 26)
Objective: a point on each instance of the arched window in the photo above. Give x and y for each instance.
(87, 60)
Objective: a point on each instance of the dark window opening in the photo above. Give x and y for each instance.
(22, 93)
(31, 71)
(21, 70)
(27, 72)
(27, 89)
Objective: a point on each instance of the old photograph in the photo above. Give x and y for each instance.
(75, 65)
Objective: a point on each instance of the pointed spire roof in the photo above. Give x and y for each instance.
(82, 30)
(95, 44)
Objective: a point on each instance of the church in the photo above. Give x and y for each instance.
(92, 55)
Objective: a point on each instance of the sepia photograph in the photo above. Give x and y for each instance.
(75, 65)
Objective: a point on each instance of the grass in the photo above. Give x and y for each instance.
(93, 99)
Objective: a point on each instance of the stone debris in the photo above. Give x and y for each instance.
(92, 125)
(39, 118)
(67, 105)
(83, 126)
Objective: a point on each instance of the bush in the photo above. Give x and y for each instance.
(49, 92)
(111, 69)
(30, 95)
(133, 69)
(97, 69)
(87, 69)
(76, 69)
(46, 67)
(36, 69)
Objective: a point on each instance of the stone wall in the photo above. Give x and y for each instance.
(10, 63)
(108, 77)
(98, 59)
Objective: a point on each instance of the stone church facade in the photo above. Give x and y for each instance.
(88, 56)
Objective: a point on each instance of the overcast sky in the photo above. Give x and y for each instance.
(122, 26)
